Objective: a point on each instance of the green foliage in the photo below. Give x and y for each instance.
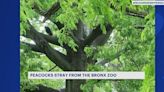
(64, 38)
(89, 51)
(149, 82)
(136, 49)
(97, 86)
(128, 48)
(31, 61)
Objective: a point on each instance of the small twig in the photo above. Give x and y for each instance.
(52, 68)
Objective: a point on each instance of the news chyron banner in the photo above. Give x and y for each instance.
(87, 45)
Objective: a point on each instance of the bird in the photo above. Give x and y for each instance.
(48, 31)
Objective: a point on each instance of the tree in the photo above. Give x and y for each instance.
(92, 33)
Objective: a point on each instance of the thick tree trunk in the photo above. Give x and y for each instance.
(79, 62)
(74, 85)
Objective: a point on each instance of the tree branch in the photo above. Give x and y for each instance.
(95, 33)
(139, 27)
(32, 47)
(37, 49)
(52, 54)
(48, 38)
(117, 55)
(78, 37)
(97, 37)
(75, 34)
(55, 7)
(59, 25)
(135, 13)
(132, 12)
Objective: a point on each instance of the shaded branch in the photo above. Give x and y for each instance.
(59, 25)
(95, 33)
(55, 7)
(135, 13)
(97, 37)
(59, 59)
(49, 13)
(50, 39)
(135, 64)
(79, 33)
(132, 12)
(139, 27)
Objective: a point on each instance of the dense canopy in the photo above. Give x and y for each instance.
(86, 35)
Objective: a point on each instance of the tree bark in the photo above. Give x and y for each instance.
(79, 62)
(74, 85)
